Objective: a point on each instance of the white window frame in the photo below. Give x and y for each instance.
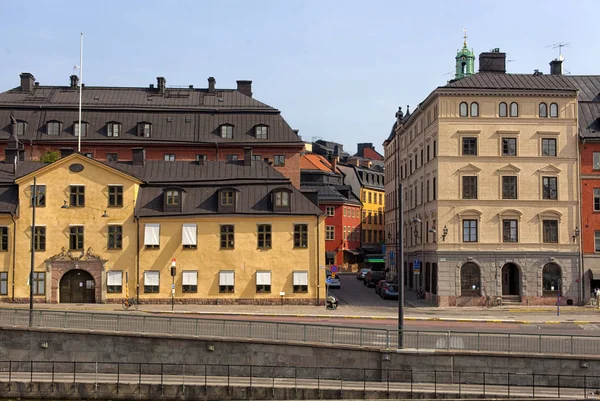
(227, 278)
(329, 230)
(300, 277)
(189, 235)
(114, 278)
(152, 278)
(152, 234)
(189, 277)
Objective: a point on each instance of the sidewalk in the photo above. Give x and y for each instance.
(518, 315)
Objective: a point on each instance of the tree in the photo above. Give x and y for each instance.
(50, 156)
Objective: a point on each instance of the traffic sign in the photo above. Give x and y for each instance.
(173, 286)
(391, 255)
(334, 269)
(333, 274)
(417, 266)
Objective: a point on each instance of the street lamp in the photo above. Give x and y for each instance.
(444, 233)
(575, 233)
(433, 231)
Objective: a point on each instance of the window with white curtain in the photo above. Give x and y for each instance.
(189, 281)
(114, 281)
(263, 281)
(152, 235)
(189, 233)
(301, 281)
(151, 281)
(226, 281)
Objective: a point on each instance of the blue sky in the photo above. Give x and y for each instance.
(337, 70)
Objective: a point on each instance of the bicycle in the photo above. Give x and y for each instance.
(130, 303)
(495, 301)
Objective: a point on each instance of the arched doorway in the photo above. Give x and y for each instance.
(510, 279)
(77, 286)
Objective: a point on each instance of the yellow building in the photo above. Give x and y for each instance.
(234, 231)
(488, 165)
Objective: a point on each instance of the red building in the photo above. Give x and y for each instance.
(171, 123)
(323, 183)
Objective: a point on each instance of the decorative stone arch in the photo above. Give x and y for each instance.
(547, 263)
(61, 263)
(458, 275)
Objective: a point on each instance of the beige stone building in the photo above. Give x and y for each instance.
(489, 169)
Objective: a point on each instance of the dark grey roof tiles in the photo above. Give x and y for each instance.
(588, 85)
(589, 119)
(331, 194)
(514, 81)
(9, 195)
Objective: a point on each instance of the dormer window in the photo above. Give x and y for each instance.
(173, 198)
(113, 129)
(261, 131)
(53, 128)
(84, 128)
(281, 200)
(20, 127)
(227, 131)
(144, 129)
(226, 200)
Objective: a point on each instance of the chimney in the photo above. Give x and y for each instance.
(493, 62)
(161, 84)
(247, 156)
(64, 152)
(211, 84)
(245, 87)
(556, 67)
(74, 81)
(312, 196)
(138, 156)
(27, 81)
(334, 164)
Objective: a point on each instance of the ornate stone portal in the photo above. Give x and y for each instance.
(58, 265)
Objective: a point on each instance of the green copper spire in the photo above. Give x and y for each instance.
(465, 60)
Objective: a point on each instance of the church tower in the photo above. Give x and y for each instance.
(465, 61)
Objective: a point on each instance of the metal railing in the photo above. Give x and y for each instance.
(303, 333)
(133, 378)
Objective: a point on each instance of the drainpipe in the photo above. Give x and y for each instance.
(318, 267)
(137, 279)
(579, 216)
(14, 258)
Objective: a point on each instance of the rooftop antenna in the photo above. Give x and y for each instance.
(559, 46)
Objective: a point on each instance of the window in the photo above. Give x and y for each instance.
(40, 194)
(256, 158)
(300, 235)
(144, 130)
(502, 110)
(329, 258)
(509, 187)
(345, 237)
(474, 109)
(76, 238)
(84, 129)
(53, 128)
(464, 110)
(3, 238)
(596, 199)
(549, 187)
(189, 281)
(434, 188)
(39, 283)
(227, 237)
(509, 146)
(115, 195)
(115, 237)
(514, 109)
(90, 155)
(112, 157)
(21, 125)
(114, 282)
(189, 234)
(596, 161)
(469, 230)
(201, 158)
(173, 197)
(152, 235)
(261, 132)
(380, 200)
(113, 129)
(282, 199)
(226, 280)
(548, 146)
(551, 280)
(509, 231)
(543, 110)
(469, 189)
(263, 281)
(330, 210)
(77, 195)
(596, 241)
(227, 131)
(428, 153)
(39, 238)
(169, 157)
(470, 283)
(279, 160)
(553, 110)
(300, 281)
(550, 231)
(3, 283)
(469, 146)
(226, 198)
(264, 236)
(370, 198)
(231, 157)
(434, 148)
(151, 282)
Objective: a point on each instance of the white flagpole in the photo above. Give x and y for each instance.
(80, 89)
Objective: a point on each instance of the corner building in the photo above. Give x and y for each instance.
(490, 178)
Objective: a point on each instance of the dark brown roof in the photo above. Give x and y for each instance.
(7, 173)
(9, 195)
(514, 81)
(332, 193)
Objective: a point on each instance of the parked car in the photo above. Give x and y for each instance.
(373, 277)
(389, 291)
(362, 273)
(331, 281)
(379, 285)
